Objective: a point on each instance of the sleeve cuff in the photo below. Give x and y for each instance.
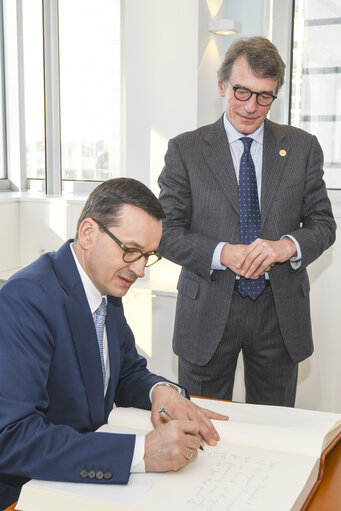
(216, 264)
(295, 261)
(137, 464)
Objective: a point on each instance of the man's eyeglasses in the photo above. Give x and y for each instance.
(130, 255)
(244, 94)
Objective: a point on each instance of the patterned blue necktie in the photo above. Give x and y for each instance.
(101, 313)
(249, 214)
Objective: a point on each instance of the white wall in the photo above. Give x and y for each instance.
(170, 65)
(10, 238)
(33, 226)
(161, 75)
(319, 376)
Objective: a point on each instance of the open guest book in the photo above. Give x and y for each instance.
(268, 458)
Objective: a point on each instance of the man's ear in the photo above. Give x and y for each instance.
(221, 88)
(86, 233)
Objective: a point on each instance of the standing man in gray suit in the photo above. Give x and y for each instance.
(246, 212)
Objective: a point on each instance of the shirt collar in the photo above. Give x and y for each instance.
(93, 296)
(233, 134)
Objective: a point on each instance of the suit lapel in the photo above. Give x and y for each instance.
(218, 157)
(275, 153)
(83, 332)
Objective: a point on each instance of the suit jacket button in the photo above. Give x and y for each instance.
(107, 475)
(84, 474)
(99, 474)
(92, 474)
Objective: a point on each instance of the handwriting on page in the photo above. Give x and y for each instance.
(233, 483)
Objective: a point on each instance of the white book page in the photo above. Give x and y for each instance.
(131, 417)
(274, 427)
(234, 478)
(125, 495)
(271, 427)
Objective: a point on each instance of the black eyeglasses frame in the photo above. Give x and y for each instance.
(257, 94)
(127, 250)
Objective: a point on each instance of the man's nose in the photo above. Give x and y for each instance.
(138, 266)
(251, 104)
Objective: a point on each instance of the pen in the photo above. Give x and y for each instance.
(170, 417)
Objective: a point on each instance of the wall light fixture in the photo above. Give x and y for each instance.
(224, 26)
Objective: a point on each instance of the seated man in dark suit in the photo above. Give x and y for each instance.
(68, 355)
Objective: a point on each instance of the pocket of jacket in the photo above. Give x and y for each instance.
(188, 287)
(305, 284)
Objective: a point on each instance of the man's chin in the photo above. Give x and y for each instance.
(247, 127)
(122, 288)
(118, 292)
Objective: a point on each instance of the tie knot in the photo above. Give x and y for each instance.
(247, 141)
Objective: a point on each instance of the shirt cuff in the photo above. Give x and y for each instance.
(295, 261)
(216, 264)
(137, 464)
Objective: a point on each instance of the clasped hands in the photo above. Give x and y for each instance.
(172, 445)
(252, 261)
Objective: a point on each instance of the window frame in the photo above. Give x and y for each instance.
(14, 105)
(333, 180)
(4, 182)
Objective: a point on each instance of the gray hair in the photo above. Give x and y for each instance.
(106, 200)
(261, 55)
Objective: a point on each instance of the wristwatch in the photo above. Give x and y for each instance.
(173, 386)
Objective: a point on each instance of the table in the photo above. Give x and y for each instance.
(328, 494)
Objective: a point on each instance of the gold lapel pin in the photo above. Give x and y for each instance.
(282, 152)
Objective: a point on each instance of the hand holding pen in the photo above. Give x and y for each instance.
(168, 417)
(183, 409)
(171, 445)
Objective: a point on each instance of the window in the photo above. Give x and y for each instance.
(316, 79)
(34, 89)
(71, 62)
(89, 37)
(3, 173)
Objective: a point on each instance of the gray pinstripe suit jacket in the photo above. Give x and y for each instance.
(199, 193)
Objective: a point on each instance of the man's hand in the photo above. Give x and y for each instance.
(251, 261)
(185, 410)
(261, 255)
(171, 446)
(232, 256)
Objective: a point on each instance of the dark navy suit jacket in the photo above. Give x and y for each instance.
(51, 387)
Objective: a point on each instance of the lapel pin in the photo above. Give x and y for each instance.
(282, 152)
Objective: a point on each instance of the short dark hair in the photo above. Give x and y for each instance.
(106, 200)
(261, 55)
